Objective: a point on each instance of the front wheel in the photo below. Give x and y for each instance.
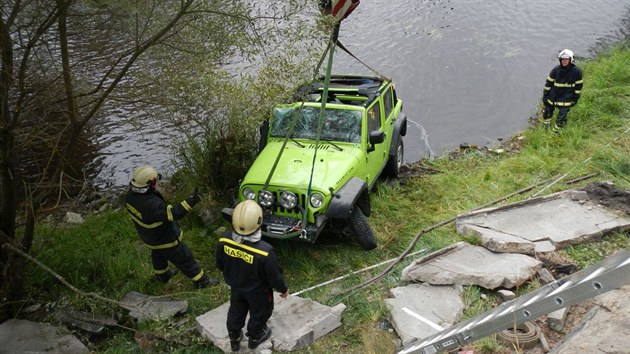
(361, 229)
(394, 163)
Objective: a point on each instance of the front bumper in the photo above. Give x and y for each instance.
(282, 227)
(285, 227)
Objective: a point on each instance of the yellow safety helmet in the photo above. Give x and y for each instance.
(247, 217)
(144, 176)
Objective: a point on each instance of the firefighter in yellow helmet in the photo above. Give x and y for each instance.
(250, 268)
(562, 90)
(156, 223)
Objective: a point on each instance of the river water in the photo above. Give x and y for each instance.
(468, 71)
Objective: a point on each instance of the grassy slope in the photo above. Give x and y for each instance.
(104, 255)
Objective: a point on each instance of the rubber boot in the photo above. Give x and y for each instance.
(547, 116)
(253, 343)
(235, 340)
(205, 282)
(546, 122)
(556, 128)
(166, 276)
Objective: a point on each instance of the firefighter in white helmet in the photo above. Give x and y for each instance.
(562, 90)
(250, 268)
(156, 223)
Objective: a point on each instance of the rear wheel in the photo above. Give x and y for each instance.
(361, 229)
(392, 169)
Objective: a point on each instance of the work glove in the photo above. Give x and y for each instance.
(194, 198)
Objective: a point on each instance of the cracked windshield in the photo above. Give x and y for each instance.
(338, 125)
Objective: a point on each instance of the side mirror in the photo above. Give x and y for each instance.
(376, 137)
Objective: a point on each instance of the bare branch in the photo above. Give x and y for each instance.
(59, 277)
(137, 52)
(51, 18)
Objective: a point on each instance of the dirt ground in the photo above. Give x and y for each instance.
(609, 196)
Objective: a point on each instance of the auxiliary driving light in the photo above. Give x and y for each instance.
(265, 198)
(288, 200)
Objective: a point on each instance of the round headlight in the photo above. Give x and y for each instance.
(288, 200)
(249, 193)
(317, 200)
(265, 198)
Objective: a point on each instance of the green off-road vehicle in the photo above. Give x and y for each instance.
(315, 171)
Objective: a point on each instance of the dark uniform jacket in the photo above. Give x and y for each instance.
(563, 86)
(249, 266)
(155, 220)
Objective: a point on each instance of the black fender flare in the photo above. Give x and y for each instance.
(400, 130)
(354, 192)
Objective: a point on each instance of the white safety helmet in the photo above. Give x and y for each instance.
(566, 54)
(144, 176)
(247, 217)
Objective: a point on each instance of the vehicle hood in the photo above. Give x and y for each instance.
(332, 167)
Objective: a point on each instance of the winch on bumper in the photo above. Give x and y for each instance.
(283, 227)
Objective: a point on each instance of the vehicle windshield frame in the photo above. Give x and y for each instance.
(341, 125)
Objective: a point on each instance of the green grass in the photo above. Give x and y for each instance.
(105, 256)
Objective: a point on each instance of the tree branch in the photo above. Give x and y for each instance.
(59, 277)
(136, 53)
(136, 307)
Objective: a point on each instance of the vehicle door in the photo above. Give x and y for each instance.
(377, 153)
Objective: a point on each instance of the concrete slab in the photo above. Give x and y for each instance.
(542, 224)
(465, 264)
(84, 320)
(296, 322)
(420, 310)
(605, 329)
(22, 336)
(143, 306)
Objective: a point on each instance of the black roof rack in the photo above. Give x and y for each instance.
(366, 86)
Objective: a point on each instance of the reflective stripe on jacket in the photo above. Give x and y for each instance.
(155, 220)
(563, 86)
(249, 266)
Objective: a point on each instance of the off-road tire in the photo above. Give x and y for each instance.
(392, 169)
(361, 229)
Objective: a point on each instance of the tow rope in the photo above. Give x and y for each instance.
(342, 47)
(322, 111)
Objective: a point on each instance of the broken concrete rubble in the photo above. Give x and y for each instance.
(420, 310)
(86, 321)
(22, 336)
(542, 224)
(144, 307)
(465, 264)
(605, 329)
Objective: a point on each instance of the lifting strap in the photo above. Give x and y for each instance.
(342, 47)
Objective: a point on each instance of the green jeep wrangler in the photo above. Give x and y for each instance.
(314, 173)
